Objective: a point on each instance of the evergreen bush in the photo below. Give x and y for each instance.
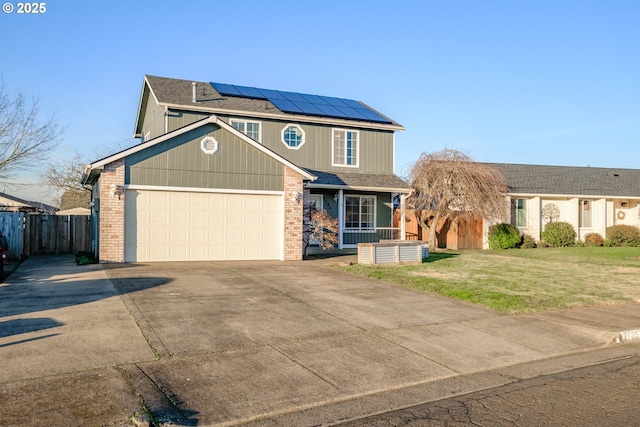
(559, 234)
(623, 235)
(504, 236)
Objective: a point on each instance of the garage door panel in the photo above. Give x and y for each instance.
(174, 226)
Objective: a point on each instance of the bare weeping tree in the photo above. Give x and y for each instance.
(63, 177)
(24, 137)
(448, 184)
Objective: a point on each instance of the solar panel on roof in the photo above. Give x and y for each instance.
(225, 89)
(309, 108)
(300, 103)
(292, 96)
(286, 106)
(250, 92)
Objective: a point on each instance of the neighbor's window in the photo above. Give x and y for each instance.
(251, 129)
(360, 213)
(345, 148)
(293, 136)
(585, 213)
(519, 212)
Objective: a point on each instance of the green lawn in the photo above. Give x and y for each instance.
(522, 280)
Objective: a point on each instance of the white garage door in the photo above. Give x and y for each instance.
(184, 226)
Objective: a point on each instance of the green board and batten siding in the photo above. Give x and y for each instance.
(375, 146)
(153, 124)
(180, 162)
(178, 118)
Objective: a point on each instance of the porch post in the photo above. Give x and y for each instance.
(340, 217)
(403, 219)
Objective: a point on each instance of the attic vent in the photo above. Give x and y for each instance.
(209, 145)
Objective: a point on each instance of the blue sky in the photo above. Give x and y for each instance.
(538, 82)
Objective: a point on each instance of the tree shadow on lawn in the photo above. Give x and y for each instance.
(439, 256)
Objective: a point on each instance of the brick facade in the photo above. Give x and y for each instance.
(293, 211)
(112, 213)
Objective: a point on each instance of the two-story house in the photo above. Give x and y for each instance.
(222, 172)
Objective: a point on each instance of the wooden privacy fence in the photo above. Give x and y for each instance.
(33, 234)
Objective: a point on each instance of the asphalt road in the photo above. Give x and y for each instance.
(601, 395)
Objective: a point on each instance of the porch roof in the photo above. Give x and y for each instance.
(358, 181)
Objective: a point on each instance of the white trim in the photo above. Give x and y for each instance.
(209, 120)
(245, 121)
(303, 138)
(200, 190)
(357, 188)
(140, 112)
(375, 214)
(570, 196)
(333, 163)
(207, 148)
(152, 142)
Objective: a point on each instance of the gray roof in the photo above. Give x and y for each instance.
(570, 180)
(180, 93)
(18, 202)
(359, 181)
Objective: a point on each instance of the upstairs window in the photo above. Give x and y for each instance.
(249, 128)
(345, 148)
(293, 136)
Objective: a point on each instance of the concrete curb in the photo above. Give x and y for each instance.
(633, 334)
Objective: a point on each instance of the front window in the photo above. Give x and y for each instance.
(585, 213)
(249, 128)
(360, 213)
(345, 148)
(519, 212)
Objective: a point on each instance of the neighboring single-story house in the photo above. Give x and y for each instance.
(9, 203)
(589, 198)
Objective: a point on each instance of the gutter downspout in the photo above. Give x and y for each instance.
(166, 120)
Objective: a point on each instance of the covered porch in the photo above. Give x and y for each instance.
(362, 203)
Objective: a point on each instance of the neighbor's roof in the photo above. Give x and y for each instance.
(176, 93)
(358, 181)
(9, 201)
(570, 180)
(75, 211)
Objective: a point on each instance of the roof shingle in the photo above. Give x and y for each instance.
(570, 180)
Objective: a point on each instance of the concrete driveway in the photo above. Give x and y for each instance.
(293, 343)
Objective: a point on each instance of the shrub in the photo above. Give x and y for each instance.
(623, 235)
(557, 234)
(503, 236)
(593, 239)
(528, 242)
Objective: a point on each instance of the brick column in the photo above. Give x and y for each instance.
(293, 211)
(112, 213)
